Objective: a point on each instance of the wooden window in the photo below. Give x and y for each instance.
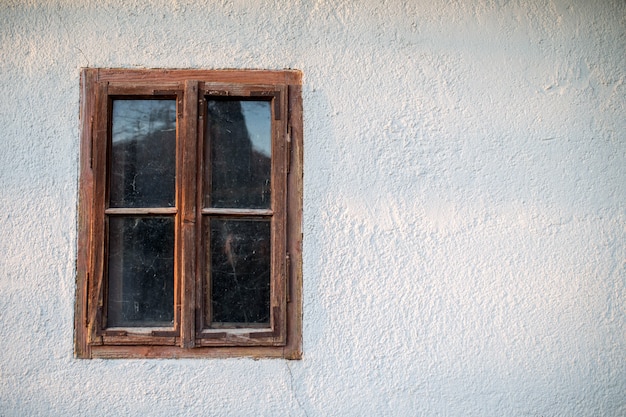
(189, 240)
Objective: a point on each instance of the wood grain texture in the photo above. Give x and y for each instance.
(293, 347)
(234, 76)
(87, 102)
(188, 227)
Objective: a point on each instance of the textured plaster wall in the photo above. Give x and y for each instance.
(464, 206)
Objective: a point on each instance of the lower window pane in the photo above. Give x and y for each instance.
(140, 272)
(240, 271)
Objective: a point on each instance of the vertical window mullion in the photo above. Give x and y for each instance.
(98, 230)
(203, 294)
(279, 224)
(187, 212)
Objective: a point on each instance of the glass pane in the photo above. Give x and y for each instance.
(238, 151)
(141, 271)
(240, 270)
(143, 153)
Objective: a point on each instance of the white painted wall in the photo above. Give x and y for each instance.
(465, 206)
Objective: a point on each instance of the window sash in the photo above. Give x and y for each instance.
(189, 328)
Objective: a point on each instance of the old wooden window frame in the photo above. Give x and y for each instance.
(189, 338)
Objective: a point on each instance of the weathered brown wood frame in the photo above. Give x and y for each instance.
(189, 337)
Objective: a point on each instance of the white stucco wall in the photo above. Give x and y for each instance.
(464, 206)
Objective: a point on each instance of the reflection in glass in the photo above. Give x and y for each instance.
(141, 271)
(238, 154)
(240, 270)
(143, 153)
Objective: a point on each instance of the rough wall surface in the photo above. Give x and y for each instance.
(464, 220)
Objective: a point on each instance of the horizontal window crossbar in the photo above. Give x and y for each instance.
(237, 212)
(139, 211)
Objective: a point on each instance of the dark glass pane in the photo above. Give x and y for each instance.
(238, 154)
(240, 270)
(143, 153)
(141, 271)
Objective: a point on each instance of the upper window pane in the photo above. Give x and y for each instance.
(238, 154)
(143, 153)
